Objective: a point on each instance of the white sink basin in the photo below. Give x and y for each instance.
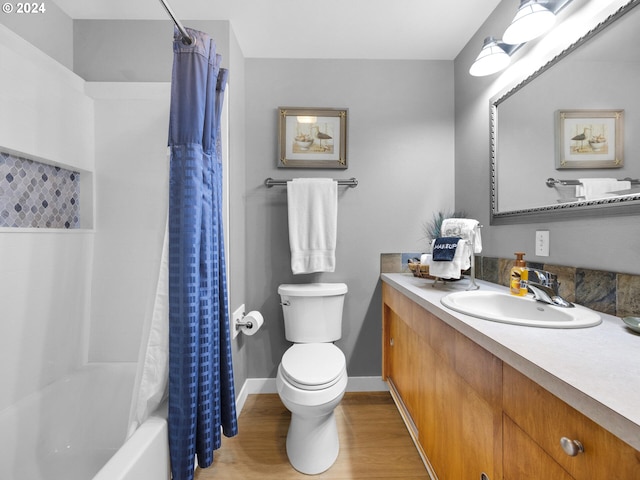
(506, 308)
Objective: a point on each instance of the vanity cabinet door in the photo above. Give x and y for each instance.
(524, 459)
(403, 356)
(449, 387)
(401, 350)
(546, 419)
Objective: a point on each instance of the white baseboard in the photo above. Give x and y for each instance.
(367, 384)
(268, 385)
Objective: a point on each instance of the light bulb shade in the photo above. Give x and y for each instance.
(492, 59)
(531, 21)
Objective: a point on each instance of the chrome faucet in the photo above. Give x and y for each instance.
(545, 288)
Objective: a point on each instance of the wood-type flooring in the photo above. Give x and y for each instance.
(374, 443)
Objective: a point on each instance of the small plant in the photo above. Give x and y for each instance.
(433, 227)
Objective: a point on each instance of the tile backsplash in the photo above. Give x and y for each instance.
(37, 195)
(608, 292)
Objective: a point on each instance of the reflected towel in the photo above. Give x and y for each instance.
(592, 188)
(466, 228)
(461, 261)
(313, 219)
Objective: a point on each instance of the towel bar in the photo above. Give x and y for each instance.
(552, 182)
(350, 182)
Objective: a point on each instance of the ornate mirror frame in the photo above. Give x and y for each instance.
(623, 205)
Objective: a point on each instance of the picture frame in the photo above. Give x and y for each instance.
(589, 139)
(312, 137)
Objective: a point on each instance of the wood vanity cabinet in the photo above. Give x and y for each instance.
(471, 415)
(448, 390)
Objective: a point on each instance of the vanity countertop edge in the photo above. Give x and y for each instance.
(596, 370)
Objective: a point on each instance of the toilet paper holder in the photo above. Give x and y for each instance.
(240, 323)
(247, 323)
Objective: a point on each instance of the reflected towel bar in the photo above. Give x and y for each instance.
(552, 182)
(350, 182)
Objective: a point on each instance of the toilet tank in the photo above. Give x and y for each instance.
(312, 311)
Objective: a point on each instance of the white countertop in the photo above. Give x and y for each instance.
(596, 370)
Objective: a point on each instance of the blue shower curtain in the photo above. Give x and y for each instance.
(201, 388)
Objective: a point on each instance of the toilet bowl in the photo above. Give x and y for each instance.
(311, 381)
(312, 376)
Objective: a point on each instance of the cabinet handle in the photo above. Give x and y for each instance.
(571, 447)
(391, 341)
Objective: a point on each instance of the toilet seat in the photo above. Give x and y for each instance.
(313, 366)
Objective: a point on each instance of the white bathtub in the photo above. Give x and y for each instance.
(74, 429)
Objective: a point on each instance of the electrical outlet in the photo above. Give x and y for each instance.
(542, 243)
(235, 316)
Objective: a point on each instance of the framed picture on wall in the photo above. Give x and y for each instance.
(312, 137)
(589, 139)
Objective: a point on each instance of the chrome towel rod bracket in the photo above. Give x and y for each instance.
(349, 182)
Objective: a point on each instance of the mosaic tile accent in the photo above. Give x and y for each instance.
(37, 195)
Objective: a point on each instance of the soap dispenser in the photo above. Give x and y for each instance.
(519, 276)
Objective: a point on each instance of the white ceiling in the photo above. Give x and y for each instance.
(367, 29)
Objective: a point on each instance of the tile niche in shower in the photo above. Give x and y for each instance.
(37, 195)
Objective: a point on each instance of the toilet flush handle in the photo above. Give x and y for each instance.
(286, 303)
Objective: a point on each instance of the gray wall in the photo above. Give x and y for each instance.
(400, 150)
(579, 242)
(236, 250)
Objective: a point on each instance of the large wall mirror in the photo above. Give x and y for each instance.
(565, 142)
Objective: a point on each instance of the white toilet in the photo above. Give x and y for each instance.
(312, 376)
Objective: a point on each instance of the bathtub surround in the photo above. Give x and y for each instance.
(45, 286)
(95, 285)
(608, 292)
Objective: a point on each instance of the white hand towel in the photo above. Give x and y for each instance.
(592, 188)
(461, 261)
(313, 221)
(466, 228)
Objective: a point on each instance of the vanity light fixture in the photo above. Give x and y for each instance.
(532, 20)
(493, 57)
(534, 17)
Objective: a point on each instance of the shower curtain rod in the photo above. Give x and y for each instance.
(186, 38)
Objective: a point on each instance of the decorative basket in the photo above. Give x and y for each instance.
(419, 270)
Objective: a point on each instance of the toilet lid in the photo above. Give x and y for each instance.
(313, 366)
